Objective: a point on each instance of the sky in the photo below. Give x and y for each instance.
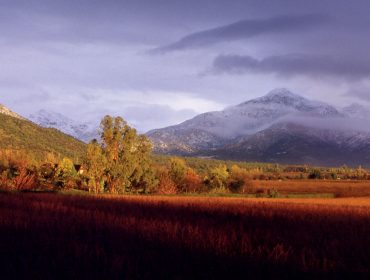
(159, 62)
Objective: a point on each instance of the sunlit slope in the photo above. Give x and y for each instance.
(20, 134)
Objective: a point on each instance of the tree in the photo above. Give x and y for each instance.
(238, 178)
(17, 170)
(122, 156)
(191, 182)
(165, 185)
(177, 172)
(219, 176)
(65, 173)
(143, 178)
(360, 173)
(95, 164)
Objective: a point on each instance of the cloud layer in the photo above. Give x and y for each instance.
(245, 29)
(293, 65)
(87, 58)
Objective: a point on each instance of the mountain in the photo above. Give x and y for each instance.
(17, 133)
(294, 143)
(83, 131)
(5, 111)
(356, 111)
(214, 129)
(278, 127)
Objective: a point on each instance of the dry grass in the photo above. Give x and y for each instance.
(340, 188)
(49, 236)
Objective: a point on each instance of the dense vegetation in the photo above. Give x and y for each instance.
(121, 162)
(19, 134)
(47, 236)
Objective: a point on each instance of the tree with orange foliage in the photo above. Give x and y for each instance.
(192, 182)
(165, 182)
(18, 174)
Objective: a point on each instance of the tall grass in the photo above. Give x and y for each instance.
(339, 188)
(62, 236)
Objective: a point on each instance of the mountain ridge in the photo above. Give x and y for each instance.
(292, 129)
(264, 119)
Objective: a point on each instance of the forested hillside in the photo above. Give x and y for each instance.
(19, 134)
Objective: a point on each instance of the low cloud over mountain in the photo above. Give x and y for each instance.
(294, 65)
(278, 127)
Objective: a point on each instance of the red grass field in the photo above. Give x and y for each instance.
(338, 188)
(64, 236)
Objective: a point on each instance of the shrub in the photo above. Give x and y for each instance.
(25, 180)
(219, 190)
(191, 182)
(65, 173)
(273, 193)
(165, 183)
(5, 183)
(315, 174)
(178, 170)
(260, 192)
(236, 185)
(218, 178)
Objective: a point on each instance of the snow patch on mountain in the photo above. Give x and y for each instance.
(278, 114)
(84, 131)
(252, 116)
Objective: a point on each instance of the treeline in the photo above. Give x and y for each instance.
(121, 162)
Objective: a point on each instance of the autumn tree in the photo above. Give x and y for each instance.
(17, 170)
(218, 177)
(122, 157)
(165, 184)
(177, 172)
(65, 173)
(143, 178)
(238, 178)
(192, 182)
(95, 164)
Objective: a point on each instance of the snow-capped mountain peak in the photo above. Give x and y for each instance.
(282, 94)
(282, 98)
(84, 131)
(277, 96)
(48, 118)
(270, 113)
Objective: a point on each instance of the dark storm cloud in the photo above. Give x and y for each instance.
(246, 29)
(86, 57)
(294, 64)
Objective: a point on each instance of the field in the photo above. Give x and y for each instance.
(164, 237)
(307, 188)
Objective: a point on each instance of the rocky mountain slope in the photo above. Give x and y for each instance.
(298, 144)
(278, 127)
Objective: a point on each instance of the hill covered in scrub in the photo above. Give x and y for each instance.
(21, 134)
